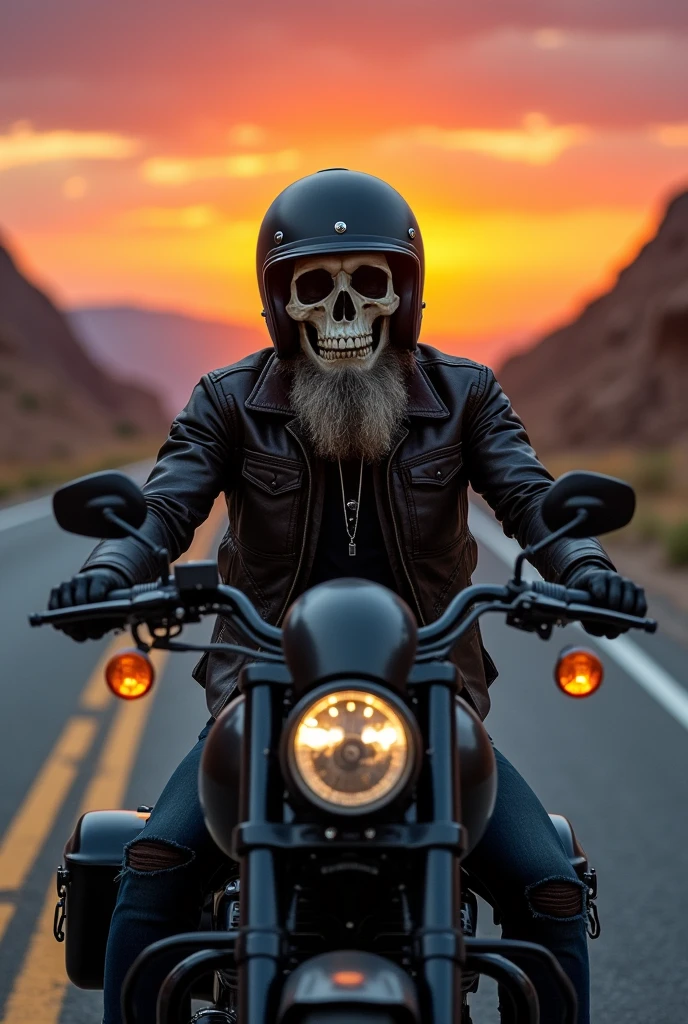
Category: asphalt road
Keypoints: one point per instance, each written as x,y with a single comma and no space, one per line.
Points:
617,765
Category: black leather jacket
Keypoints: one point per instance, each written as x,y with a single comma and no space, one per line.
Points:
239,435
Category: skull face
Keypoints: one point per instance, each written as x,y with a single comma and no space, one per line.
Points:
343,305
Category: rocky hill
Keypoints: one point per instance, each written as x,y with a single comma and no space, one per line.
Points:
56,403
618,374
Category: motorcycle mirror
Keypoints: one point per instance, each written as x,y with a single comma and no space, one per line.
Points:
609,503
79,506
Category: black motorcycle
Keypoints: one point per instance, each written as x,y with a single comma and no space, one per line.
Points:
347,781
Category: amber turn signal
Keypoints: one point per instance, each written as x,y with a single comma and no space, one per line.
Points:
579,672
129,674
348,979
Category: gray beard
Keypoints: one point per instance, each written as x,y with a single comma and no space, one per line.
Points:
350,412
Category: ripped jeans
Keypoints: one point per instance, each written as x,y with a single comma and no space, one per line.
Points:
520,861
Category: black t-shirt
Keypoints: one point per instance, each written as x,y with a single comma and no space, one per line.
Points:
332,558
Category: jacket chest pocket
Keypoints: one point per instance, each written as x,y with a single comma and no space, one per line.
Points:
267,504
436,499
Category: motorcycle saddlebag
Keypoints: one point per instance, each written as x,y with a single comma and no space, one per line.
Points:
93,860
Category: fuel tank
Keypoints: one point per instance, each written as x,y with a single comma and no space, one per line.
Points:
478,773
221,768
220,773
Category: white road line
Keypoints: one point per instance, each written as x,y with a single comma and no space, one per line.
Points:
635,662
27,512
41,508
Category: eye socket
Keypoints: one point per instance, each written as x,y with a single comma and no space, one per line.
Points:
370,282
313,286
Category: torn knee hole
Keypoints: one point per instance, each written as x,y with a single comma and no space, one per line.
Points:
557,898
155,855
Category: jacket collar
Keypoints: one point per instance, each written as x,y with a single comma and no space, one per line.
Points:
271,394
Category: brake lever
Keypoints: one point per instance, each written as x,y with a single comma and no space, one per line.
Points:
534,612
131,608
99,610
605,615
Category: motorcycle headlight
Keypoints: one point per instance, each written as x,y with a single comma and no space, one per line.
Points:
351,751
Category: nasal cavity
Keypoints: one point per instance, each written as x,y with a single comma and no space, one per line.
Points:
344,308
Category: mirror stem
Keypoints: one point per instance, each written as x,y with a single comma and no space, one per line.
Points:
160,554
532,549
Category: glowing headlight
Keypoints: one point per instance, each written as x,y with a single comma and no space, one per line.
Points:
351,751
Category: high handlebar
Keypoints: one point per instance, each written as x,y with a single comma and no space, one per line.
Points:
536,605
468,598
166,603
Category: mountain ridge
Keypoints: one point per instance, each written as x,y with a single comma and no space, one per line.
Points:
56,402
615,375
120,334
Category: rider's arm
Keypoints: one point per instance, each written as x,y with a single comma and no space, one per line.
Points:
194,465
505,470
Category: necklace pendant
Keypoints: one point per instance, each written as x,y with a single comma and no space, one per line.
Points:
352,549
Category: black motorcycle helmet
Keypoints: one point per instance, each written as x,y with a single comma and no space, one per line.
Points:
337,210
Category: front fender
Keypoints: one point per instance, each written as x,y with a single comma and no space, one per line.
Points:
349,978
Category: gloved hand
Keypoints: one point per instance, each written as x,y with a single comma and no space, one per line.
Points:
608,589
86,587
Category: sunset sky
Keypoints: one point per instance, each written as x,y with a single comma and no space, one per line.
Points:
141,142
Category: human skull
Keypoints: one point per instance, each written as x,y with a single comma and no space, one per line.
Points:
347,302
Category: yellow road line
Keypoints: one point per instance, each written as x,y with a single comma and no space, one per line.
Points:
39,988
6,915
35,818
96,696
107,787
47,970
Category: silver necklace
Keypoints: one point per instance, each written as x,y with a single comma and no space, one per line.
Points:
351,509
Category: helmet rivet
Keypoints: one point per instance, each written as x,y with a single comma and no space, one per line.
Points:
340,227
412,232
279,235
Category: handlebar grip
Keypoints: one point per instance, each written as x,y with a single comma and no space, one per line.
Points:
559,593
582,597
129,593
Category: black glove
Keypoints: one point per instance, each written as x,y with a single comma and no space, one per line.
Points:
609,590
88,587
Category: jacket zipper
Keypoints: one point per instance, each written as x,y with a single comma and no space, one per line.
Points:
396,530
305,530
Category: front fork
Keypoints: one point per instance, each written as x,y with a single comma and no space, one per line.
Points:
439,941
260,943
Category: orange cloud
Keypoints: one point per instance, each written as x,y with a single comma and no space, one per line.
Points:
537,142
247,135
22,146
181,171
549,38
672,135
184,218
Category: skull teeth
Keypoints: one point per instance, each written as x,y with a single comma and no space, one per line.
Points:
359,347
360,353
